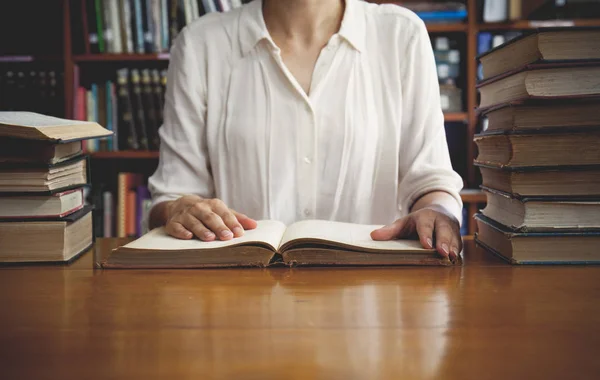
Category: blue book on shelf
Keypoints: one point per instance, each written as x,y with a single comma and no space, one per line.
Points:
457,15
484,43
109,116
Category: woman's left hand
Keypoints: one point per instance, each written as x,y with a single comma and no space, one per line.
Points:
433,225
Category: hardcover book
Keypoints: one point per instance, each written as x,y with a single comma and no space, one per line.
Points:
572,247
313,242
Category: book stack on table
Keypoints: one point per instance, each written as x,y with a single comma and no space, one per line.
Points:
540,155
43,216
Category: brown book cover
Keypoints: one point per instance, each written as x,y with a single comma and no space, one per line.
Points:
312,242
538,150
571,80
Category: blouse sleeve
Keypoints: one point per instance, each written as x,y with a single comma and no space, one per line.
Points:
184,166
424,160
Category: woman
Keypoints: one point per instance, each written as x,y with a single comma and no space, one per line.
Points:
306,109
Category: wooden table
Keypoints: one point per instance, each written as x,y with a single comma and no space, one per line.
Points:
484,320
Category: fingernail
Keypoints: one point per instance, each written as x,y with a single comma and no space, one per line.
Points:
209,235
226,234
445,248
238,231
429,242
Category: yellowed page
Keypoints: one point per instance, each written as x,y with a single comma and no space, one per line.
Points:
356,235
36,120
268,231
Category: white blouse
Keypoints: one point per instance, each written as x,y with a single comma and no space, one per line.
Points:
362,146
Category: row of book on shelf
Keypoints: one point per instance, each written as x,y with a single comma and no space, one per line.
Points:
43,173
540,157
130,105
515,10
138,26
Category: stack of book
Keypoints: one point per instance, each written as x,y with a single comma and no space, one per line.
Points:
43,216
540,156
130,106
138,26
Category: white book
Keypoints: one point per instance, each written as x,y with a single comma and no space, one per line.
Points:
125,14
116,26
495,11
188,11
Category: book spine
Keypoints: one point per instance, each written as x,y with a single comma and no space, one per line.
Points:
164,23
156,26
116,26
158,97
115,117
92,27
108,211
150,110
173,19
126,31
109,115
139,26
142,130
195,9
187,8
148,25
85,29
130,209
100,26
108,31
121,202
141,196
128,136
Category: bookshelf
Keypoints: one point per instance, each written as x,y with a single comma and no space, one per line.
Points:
74,63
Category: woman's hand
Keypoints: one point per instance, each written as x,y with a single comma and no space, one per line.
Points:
207,219
432,225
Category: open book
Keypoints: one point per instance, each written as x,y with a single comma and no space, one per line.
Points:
310,242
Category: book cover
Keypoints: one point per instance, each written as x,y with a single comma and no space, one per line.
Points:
115,16
139,112
128,138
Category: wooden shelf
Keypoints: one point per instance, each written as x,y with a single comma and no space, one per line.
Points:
126,154
473,196
446,28
120,57
533,24
456,117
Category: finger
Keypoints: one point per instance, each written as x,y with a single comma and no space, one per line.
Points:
456,244
221,209
246,222
425,227
204,213
443,236
400,228
178,231
191,223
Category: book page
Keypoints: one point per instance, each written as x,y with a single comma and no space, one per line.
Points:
36,120
356,235
267,231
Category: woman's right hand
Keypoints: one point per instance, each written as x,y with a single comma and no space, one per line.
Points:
207,219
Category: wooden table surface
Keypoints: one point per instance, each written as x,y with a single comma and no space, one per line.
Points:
484,320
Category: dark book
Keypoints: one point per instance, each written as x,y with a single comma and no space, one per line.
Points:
102,114
43,178
314,242
542,81
128,137
538,150
157,91
551,181
151,109
548,45
100,25
138,106
573,247
543,115
91,25
56,239
542,213
21,150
